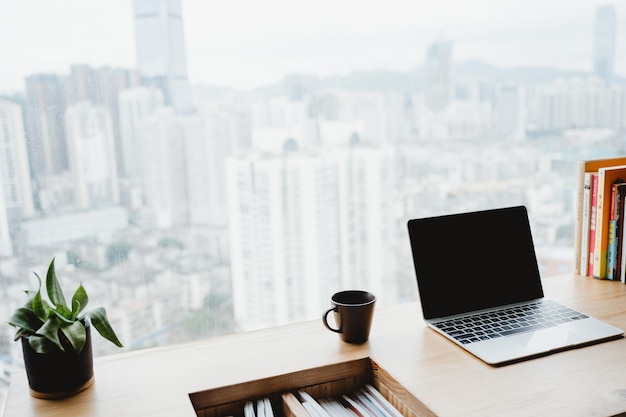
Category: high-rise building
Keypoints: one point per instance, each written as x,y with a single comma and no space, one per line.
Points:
16,199
616,113
183,173
15,178
439,84
576,103
101,87
135,104
6,244
109,83
303,225
509,111
83,85
604,43
91,151
15,175
45,126
160,49
16,195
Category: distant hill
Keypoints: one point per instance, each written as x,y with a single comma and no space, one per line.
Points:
479,68
413,80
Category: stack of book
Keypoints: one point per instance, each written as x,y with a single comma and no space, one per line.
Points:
263,408
365,402
600,231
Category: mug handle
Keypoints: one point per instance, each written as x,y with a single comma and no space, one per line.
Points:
325,320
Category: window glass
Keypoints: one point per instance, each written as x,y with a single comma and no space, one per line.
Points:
205,168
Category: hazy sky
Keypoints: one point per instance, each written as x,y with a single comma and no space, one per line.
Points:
244,43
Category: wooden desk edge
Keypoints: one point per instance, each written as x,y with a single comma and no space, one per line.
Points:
157,382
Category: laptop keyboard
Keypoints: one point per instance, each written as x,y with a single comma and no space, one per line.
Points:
519,319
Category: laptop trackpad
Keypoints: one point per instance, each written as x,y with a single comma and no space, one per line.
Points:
546,339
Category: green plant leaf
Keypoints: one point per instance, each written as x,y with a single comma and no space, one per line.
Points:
76,334
79,301
100,321
26,319
54,289
41,307
76,308
50,330
38,308
40,344
62,317
64,312
20,333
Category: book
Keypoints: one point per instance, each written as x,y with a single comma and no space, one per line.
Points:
586,215
622,269
614,224
587,166
606,177
592,223
363,402
619,229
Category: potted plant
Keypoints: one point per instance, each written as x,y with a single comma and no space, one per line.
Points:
56,338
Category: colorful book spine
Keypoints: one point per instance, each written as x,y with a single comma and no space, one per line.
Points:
619,230
622,232
606,177
611,271
592,222
585,166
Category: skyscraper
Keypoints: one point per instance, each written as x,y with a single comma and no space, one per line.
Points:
439,75
6,248
45,127
160,49
14,172
604,43
183,171
134,105
509,111
91,151
16,199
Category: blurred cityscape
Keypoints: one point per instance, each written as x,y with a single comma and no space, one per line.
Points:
190,211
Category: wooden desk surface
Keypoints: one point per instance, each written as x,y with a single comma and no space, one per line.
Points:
451,382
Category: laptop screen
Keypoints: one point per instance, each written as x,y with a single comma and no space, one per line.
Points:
471,261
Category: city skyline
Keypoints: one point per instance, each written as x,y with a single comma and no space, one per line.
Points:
245,50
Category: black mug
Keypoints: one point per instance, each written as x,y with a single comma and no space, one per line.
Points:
354,310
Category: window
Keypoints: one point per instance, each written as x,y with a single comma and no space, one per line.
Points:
210,168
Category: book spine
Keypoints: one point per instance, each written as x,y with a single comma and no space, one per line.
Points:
592,222
586,216
597,251
611,261
621,191
622,232
600,254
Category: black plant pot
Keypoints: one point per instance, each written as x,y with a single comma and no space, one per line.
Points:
58,374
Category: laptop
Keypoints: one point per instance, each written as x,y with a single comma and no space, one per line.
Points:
479,286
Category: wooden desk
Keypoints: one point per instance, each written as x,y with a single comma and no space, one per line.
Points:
449,381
